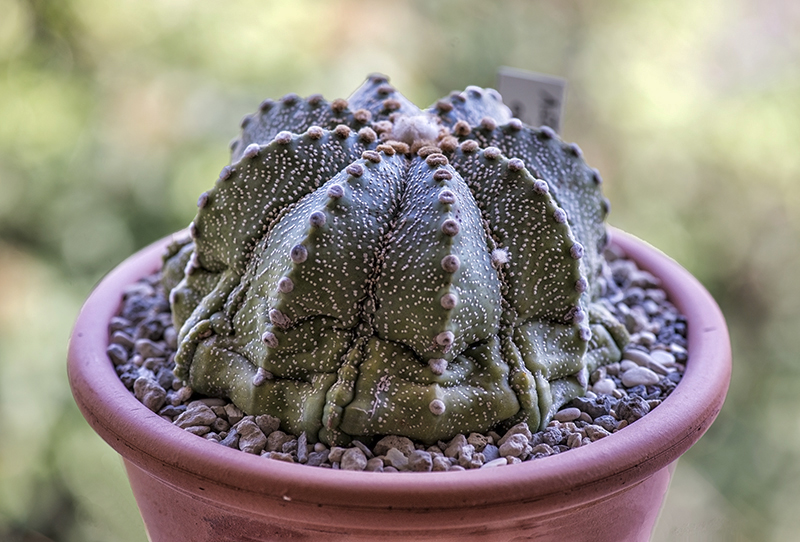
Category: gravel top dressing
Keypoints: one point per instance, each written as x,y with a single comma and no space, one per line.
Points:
143,342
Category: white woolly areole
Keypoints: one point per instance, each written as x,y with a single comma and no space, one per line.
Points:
409,130
500,257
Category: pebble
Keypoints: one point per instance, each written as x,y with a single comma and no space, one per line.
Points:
123,339
609,423
395,458
521,428
639,376
479,441
632,408
567,414
353,459
491,452
117,353
594,407
403,444
604,386
440,463
150,393
595,432
233,413
251,439
455,446
231,440
541,450
420,461
276,440
315,459
302,446
148,349
364,448
196,414
517,445
268,424
645,360
667,359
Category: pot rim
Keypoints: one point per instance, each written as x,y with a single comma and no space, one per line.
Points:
623,458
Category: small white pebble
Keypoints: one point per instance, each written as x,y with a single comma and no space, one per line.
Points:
639,376
567,414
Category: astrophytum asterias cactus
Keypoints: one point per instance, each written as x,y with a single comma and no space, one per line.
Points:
365,268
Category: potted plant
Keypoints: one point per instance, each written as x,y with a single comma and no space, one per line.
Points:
365,268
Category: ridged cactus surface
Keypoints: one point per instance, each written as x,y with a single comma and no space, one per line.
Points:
365,268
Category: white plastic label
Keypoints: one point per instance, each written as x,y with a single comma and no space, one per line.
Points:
534,98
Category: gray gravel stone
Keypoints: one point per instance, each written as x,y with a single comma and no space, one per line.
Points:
364,448
219,425
353,459
251,439
148,349
123,339
574,440
604,386
150,393
267,423
667,359
606,422
595,432
632,408
519,429
491,452
374,464
639,376
645,360
233,413
276,440
515,445
315,459
397,459
567,414
117,354
231,440
336,454
455,446
403,444
541,449
420,461
479,441
302,447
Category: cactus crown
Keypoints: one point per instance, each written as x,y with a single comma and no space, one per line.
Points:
365,268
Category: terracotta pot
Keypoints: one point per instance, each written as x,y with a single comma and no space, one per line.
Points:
190,489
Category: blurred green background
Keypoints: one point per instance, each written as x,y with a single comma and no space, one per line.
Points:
114,116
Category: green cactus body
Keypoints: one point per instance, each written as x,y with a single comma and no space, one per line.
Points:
365,268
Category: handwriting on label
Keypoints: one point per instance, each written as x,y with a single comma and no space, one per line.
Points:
534,98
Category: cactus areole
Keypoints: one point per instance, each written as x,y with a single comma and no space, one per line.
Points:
366,268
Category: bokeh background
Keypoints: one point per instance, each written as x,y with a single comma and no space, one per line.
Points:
114,116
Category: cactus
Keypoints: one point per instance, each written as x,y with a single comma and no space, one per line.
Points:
365,268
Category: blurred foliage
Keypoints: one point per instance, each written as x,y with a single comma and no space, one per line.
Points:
114,116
